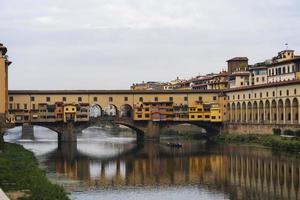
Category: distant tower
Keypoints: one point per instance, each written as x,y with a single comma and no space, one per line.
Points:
237,64
4,63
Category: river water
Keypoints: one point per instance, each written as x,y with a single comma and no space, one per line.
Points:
104,166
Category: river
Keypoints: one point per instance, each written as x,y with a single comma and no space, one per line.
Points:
104,166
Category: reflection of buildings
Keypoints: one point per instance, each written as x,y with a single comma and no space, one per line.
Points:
240,173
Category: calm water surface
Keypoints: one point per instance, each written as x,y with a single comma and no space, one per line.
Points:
103,166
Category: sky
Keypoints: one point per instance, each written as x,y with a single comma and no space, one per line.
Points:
110,44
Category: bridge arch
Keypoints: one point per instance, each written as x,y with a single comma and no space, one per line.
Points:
249,114
261,112
295,109
126,110
96,111
111,110
238,111
280,111
267,111
287,106
244,113
229,112
255,112
233,112
274,111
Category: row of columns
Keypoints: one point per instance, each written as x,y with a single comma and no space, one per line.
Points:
280,112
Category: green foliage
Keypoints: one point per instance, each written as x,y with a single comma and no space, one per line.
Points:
266,140
297,133
276,131
19,171
288,132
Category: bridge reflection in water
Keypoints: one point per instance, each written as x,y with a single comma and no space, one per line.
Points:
239,172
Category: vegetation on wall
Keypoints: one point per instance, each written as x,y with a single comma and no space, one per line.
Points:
272,141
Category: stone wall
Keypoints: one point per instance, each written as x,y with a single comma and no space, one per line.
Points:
242,128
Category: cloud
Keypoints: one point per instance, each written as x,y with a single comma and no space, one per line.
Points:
107,44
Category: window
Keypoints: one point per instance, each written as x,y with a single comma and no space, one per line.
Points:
257,79
260,95
25,106
199,116
295,91
214,98
147,109
95,99
263,79
67,109
79,99
170,98
32,99
254,95
48,99
10,106
110,99
64,98
185,98
273,93
18,106
139,116
238,96
200,98
147,115
287,92
243,96
192,116
141,99
267,94
125,98
233,97
155,98
33,106
249,96
280,93
11,98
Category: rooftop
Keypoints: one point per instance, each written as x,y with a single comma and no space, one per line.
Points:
238,59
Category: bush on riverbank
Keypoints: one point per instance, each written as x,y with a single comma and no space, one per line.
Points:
19,171
266,140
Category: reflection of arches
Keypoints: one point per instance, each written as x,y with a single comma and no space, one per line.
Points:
261,112
126,111
288,116
280,111
273,111
255,112
267,111
111,110
95,111
249,110
295,105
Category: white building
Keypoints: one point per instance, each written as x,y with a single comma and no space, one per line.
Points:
284,67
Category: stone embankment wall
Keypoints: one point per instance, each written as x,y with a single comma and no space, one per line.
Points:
242,128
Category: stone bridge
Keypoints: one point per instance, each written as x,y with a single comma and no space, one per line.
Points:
145,130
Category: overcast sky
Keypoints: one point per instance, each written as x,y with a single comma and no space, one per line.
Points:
110,44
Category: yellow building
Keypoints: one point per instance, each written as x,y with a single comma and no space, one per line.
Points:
70,112
196,112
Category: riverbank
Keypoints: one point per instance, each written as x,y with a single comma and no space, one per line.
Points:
20,174
272,141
